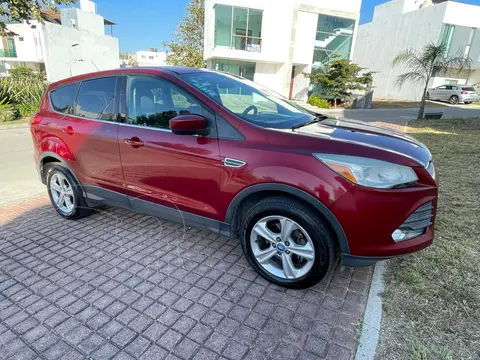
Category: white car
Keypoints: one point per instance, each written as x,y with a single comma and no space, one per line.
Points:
454,94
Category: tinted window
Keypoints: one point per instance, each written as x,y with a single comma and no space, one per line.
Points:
247,100
63,98
154,101
468,88
96,99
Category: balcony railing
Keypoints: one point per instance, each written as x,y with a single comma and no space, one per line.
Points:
11,53
247,43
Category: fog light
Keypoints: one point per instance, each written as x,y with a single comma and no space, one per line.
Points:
402,235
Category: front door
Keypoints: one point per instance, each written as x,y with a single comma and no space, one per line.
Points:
181,172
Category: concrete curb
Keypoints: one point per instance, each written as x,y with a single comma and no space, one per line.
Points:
373,316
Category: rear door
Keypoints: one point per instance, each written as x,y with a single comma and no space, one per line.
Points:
90,131
181,172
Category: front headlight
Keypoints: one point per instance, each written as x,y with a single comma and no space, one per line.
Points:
369,172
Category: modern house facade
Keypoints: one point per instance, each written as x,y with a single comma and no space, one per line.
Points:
411,24
69,42
273,43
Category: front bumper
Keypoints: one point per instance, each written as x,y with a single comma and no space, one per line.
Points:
370,216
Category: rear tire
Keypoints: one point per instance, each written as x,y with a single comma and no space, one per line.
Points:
65,193
454,100
300,249
467,102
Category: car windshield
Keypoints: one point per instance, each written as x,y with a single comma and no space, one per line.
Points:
248,100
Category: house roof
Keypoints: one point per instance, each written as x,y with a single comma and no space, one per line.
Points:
54,16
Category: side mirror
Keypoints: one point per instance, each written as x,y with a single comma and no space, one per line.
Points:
190,124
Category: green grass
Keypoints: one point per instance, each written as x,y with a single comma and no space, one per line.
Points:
432,298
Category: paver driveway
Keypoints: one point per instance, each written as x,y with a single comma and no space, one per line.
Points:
123,285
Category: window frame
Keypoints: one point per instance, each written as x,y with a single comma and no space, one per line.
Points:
115,102
211,118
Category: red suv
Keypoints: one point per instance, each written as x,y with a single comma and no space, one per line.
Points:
217,151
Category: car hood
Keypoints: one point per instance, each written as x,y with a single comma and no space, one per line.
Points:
363,133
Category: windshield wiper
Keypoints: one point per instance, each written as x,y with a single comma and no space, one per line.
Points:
316,119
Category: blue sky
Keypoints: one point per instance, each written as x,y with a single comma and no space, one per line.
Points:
146,23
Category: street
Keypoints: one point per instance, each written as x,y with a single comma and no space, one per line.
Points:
402,114
18,180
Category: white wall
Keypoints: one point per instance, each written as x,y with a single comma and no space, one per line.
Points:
269,75
30,49
391,32
305,37
94,51
438,81
143,58
462,14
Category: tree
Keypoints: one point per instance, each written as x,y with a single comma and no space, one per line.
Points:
425,64
339,78
19,10
186,46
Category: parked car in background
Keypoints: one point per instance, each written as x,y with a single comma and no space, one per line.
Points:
217,151
454,94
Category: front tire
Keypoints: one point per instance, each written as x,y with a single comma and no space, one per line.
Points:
454,100
65,193
287,242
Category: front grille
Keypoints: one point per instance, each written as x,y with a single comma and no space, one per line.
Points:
420,219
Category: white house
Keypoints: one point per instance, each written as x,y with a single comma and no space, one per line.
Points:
69,42
152,57
273,42
411,24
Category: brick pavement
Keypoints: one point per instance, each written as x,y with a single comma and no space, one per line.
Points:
123,285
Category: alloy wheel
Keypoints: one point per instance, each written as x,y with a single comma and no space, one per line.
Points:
282,247
454,100
62,193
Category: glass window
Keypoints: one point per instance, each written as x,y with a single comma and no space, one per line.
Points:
247,100
239,40
63,98
238,28
243,69
333,39
154,101
334,25
223,25
96,99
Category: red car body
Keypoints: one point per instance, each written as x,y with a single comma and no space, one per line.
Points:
161,173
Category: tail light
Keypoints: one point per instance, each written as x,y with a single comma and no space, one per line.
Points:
36,120
463,92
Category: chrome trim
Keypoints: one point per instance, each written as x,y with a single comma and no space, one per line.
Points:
145,127
111,122
233,163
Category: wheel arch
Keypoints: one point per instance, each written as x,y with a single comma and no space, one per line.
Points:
51,157
246,198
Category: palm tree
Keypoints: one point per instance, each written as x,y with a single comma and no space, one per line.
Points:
425,64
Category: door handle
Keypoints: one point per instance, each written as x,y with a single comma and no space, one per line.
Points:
134,142
68,130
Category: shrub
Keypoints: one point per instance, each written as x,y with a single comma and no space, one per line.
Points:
318,102
28,109
7,112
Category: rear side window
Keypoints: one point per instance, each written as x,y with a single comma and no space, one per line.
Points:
63,98
468,88
96,99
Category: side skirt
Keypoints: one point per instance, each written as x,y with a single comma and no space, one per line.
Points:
97,196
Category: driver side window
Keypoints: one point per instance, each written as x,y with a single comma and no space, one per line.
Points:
153,101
